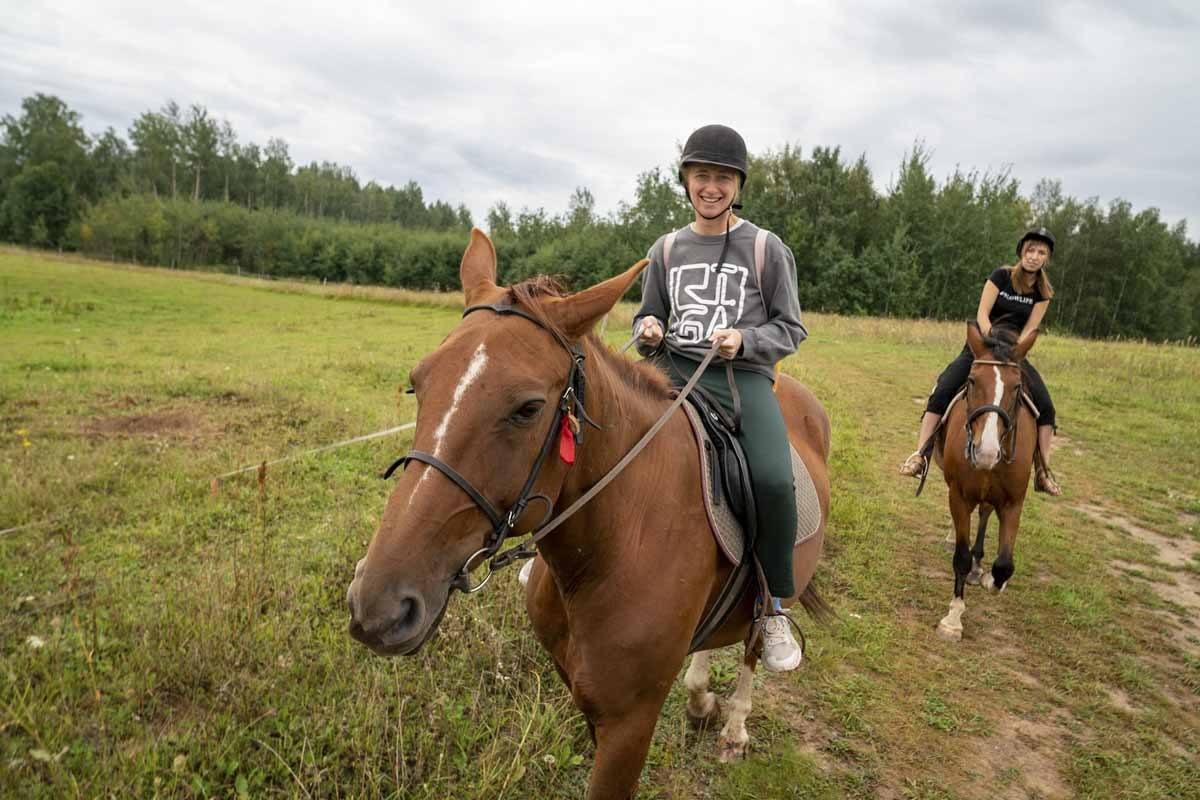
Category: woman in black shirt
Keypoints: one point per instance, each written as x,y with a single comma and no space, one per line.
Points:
1014,298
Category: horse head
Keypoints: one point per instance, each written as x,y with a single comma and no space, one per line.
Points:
993,394
486,449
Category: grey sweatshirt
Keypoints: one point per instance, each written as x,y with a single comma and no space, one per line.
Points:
693,298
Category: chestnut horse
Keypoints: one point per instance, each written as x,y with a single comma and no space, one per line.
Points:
986,454
618,590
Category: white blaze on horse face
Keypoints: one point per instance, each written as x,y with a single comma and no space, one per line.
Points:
474,369
989,445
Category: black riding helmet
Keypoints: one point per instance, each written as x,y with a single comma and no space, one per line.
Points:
719,145
1037,234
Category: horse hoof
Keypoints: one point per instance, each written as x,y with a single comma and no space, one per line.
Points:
949,633
732,751
974,577
700,722
987,581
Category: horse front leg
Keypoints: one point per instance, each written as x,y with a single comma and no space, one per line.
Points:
621,747
950,626
734,737
702,706
1003,567
985,512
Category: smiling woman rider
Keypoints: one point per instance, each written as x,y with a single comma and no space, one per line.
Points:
703,287
1014,298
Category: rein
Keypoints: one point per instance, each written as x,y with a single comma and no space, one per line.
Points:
1009,418
570,409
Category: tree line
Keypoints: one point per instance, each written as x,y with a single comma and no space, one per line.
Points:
183,191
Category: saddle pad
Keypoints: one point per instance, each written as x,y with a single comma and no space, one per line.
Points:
725,525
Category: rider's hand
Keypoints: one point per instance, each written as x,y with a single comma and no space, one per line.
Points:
651,332
730,341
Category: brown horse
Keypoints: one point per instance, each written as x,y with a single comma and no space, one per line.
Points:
618,590
986,454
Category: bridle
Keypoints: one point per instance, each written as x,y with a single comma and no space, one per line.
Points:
569,408
1008,417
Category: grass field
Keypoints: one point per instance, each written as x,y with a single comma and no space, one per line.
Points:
162,640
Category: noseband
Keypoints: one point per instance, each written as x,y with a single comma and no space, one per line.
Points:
569,406
1009,418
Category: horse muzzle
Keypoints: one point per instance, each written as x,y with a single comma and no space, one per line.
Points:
987,455
394,621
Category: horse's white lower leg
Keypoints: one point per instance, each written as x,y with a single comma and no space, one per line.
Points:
989,583
950,628
734,736
702,704
976,573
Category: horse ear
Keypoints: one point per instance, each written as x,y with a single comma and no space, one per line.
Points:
478,269
975,339
575,315
1023,347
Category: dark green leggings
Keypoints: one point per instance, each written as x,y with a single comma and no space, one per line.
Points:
764,438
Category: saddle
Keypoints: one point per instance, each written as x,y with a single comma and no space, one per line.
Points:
729,504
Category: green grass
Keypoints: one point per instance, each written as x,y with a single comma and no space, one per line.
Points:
194,645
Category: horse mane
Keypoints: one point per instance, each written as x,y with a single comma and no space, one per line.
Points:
528,293
1001,341
643,378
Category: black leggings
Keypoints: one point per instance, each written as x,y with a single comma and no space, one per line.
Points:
955,375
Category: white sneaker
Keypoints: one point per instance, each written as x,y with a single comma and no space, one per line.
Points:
780,651
526,569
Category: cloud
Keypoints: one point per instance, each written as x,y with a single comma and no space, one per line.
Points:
525,102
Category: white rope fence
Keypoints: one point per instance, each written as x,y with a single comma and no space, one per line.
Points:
215,481
322,449
25,526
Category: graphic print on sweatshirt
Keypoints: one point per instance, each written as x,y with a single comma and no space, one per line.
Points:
704,299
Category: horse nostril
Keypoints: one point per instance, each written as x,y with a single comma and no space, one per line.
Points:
409,616
391,620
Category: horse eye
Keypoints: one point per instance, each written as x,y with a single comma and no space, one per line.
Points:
528,412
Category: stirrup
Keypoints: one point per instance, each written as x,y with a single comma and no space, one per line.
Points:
917,461
1043,481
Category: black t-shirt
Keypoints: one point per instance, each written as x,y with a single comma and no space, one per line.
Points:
1012,309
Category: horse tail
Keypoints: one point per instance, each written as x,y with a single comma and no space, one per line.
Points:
816,606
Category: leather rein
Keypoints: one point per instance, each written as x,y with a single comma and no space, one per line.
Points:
1008,441
569,411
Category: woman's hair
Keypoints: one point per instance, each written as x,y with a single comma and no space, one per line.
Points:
1023,282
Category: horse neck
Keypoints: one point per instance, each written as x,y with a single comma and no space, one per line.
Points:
589,545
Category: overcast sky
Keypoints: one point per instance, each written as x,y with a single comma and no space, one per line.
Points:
525,101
